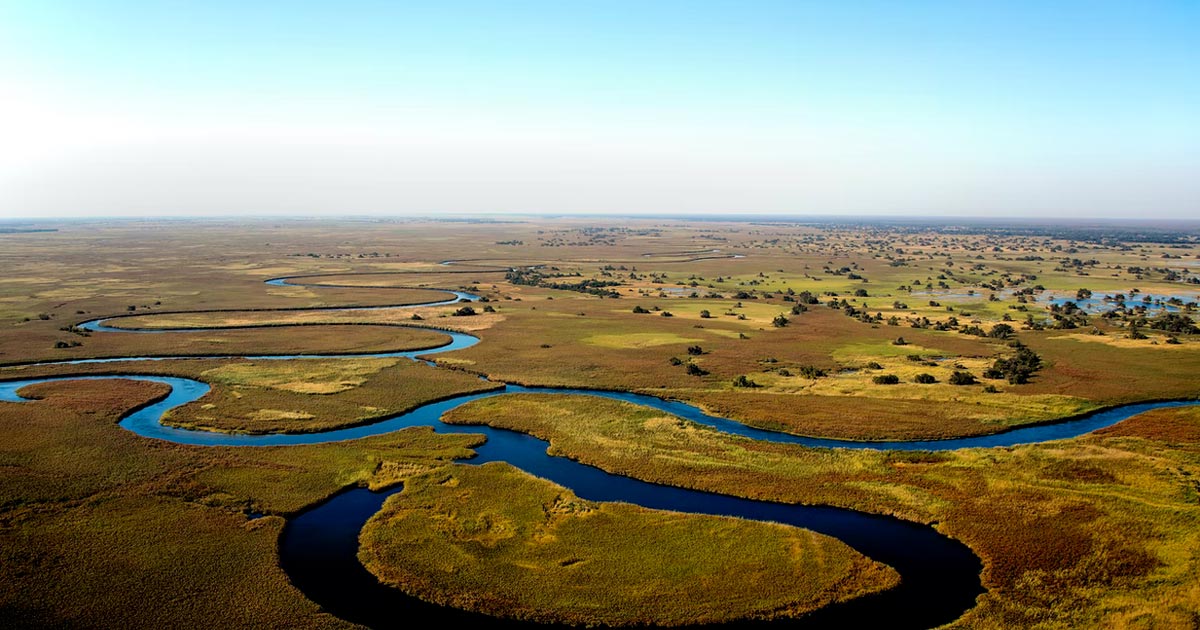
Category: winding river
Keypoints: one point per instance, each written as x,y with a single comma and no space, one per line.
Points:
940,577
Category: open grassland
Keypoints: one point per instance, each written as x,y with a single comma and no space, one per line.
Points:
317,394
429,316
574,341
1093,532
338,339
497,540
1099,531
293,396
99,524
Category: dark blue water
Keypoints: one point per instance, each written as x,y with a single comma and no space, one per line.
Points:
940,576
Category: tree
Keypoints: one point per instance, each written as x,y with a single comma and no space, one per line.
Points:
1001,331
1016,369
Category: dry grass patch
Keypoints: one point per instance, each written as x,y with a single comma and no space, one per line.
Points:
638,340
307,377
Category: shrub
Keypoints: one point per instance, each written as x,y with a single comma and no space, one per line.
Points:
899,342
885,379
874,365
925,379
695,370
416,318
811,371
675,361
639,310
962,378
464,311
780,321
705,315
742,381
695,351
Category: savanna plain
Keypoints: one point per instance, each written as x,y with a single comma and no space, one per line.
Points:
861,332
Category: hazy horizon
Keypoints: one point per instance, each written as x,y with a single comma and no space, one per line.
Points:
1075,110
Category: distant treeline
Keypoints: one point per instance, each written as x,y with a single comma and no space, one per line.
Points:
1099,233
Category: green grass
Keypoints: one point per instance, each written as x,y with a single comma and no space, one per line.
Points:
497,540
1098,531
100,524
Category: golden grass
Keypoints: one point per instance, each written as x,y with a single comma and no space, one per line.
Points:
497,540
638,340
308,377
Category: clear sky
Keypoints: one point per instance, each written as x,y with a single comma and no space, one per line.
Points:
1017,108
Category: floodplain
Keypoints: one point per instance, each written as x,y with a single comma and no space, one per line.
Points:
860,332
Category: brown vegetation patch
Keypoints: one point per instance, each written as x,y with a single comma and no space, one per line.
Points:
1176,426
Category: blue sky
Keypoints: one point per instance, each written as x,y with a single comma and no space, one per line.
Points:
958,108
